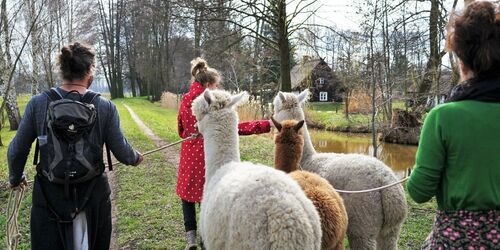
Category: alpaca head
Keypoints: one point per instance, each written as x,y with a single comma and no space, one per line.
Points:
288,106
289,144
214,110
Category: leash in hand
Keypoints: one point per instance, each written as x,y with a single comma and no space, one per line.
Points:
191,137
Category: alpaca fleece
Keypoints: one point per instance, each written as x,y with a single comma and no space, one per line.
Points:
246,205
289,145
375,218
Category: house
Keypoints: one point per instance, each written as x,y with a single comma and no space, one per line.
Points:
437,95
316,75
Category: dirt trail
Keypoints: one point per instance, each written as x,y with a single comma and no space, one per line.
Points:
171,155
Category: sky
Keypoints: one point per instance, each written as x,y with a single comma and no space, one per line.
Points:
342,13
338,12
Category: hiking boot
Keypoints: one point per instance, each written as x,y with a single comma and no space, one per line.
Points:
191,240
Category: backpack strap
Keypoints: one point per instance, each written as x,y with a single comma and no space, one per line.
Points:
52,95
90,97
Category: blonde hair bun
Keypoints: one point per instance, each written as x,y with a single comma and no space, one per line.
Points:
198,65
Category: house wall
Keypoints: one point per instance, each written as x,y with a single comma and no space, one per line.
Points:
330,86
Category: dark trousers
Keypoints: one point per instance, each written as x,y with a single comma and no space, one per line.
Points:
48,234
189,212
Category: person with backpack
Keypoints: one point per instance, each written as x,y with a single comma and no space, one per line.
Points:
71,206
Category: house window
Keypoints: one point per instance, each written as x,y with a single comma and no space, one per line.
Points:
321,81
323,96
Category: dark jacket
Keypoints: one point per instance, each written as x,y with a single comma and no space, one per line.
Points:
52,209
32,125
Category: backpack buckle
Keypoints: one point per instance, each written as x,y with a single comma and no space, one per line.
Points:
70,173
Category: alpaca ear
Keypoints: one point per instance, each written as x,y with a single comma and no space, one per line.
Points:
303,96
238,99
298,126
208,97
282,96
276,124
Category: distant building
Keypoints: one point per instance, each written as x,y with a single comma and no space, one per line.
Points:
437,95
318,77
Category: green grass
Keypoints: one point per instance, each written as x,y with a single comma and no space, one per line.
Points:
327,106
331,116
7,136
162,121
149,211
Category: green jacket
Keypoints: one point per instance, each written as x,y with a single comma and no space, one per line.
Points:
458,158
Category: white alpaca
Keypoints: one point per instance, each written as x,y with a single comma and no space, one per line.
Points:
375,218
247,206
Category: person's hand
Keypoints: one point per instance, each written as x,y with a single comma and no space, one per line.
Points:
141,158
23,183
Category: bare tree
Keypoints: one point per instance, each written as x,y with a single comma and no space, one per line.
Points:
7,68
250,16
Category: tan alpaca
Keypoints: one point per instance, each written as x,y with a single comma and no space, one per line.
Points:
289,144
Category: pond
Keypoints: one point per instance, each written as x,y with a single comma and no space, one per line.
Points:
398,157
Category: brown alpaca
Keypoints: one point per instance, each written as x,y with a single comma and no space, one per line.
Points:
288,153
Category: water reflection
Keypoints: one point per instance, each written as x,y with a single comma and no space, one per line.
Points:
398,157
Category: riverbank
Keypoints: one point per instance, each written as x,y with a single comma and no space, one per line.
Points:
331,117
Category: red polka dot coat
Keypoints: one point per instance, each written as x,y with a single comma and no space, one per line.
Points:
191,175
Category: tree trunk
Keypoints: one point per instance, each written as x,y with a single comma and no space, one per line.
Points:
13,109
198,25
284,47
431,72
35,48
5,69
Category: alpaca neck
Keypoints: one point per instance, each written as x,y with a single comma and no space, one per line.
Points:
221,147
309,150
287,159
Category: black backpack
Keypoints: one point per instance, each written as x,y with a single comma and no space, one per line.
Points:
71,152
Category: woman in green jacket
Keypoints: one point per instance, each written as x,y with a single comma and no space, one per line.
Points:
458,158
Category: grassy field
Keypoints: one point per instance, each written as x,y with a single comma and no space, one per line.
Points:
331,116
149,213
7,136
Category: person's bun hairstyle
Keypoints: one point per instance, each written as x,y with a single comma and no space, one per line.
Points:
75,61
202,73
198,65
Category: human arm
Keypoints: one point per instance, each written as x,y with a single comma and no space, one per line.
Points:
254,127
19,147
180,127
431,154
116,141
186,119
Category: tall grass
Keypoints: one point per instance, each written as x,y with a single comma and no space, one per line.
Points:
254,110
360,102
170,100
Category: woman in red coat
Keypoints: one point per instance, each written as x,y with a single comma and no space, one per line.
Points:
191,175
